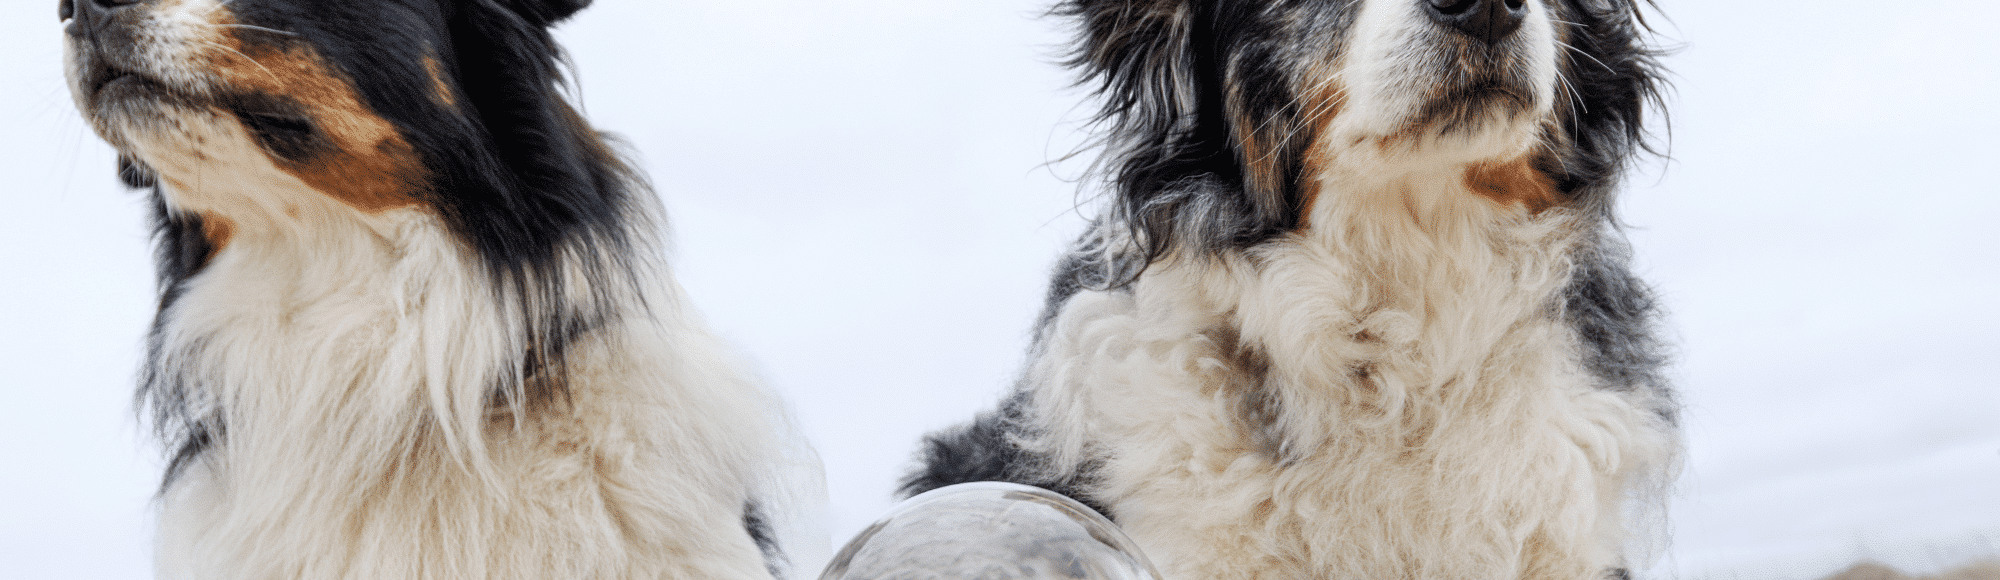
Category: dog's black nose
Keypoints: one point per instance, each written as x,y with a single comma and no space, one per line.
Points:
1490,21
65,10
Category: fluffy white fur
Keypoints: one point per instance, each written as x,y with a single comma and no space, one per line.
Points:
351,356
1419,402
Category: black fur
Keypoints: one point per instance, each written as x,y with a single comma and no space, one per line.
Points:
1170,153
1615,79
985,450
1203,135
766,540
1085,267
518,175
178,415
1614,313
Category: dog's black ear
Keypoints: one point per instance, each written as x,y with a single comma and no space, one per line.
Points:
1169,151
544,12
539,176
1140,54
1615,77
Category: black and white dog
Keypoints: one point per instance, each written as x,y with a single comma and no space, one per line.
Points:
1359,308
414,321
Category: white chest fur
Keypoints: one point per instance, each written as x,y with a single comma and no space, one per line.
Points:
1389,394
353,364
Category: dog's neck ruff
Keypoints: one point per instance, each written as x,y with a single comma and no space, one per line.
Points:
308,304
384,317
362,372
1424,295
1356,399
1410,272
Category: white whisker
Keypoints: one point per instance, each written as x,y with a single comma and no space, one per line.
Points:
260,66
1580,51
1317,109
257,28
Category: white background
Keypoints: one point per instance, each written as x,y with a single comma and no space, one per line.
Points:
861,204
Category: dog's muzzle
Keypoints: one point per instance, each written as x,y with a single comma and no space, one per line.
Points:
102,32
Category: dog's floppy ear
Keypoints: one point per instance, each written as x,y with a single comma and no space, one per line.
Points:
544,12
1139,53
541,174
1168,148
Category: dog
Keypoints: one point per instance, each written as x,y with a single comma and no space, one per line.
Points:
1359,306
414,320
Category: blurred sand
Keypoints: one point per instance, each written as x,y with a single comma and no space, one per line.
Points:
1982,570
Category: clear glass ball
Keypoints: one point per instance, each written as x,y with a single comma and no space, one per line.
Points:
990,531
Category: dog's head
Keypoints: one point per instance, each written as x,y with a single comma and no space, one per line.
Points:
444,106
1224,115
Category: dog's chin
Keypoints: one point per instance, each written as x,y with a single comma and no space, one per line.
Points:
119,102
138,113
1476,104
105,80
1476,121
121,91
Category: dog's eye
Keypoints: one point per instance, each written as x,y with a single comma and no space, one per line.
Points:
289,136
278,123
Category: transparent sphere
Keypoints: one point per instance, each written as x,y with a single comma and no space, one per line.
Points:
990,531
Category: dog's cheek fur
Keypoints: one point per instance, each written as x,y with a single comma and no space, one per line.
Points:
1613,78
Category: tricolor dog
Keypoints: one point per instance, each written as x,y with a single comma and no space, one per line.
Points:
414,317
1358,306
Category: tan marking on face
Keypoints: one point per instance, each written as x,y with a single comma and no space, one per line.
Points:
1325,106
1401,139
1314,166
369,165
1514,182
1263,163
217,230
440,90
